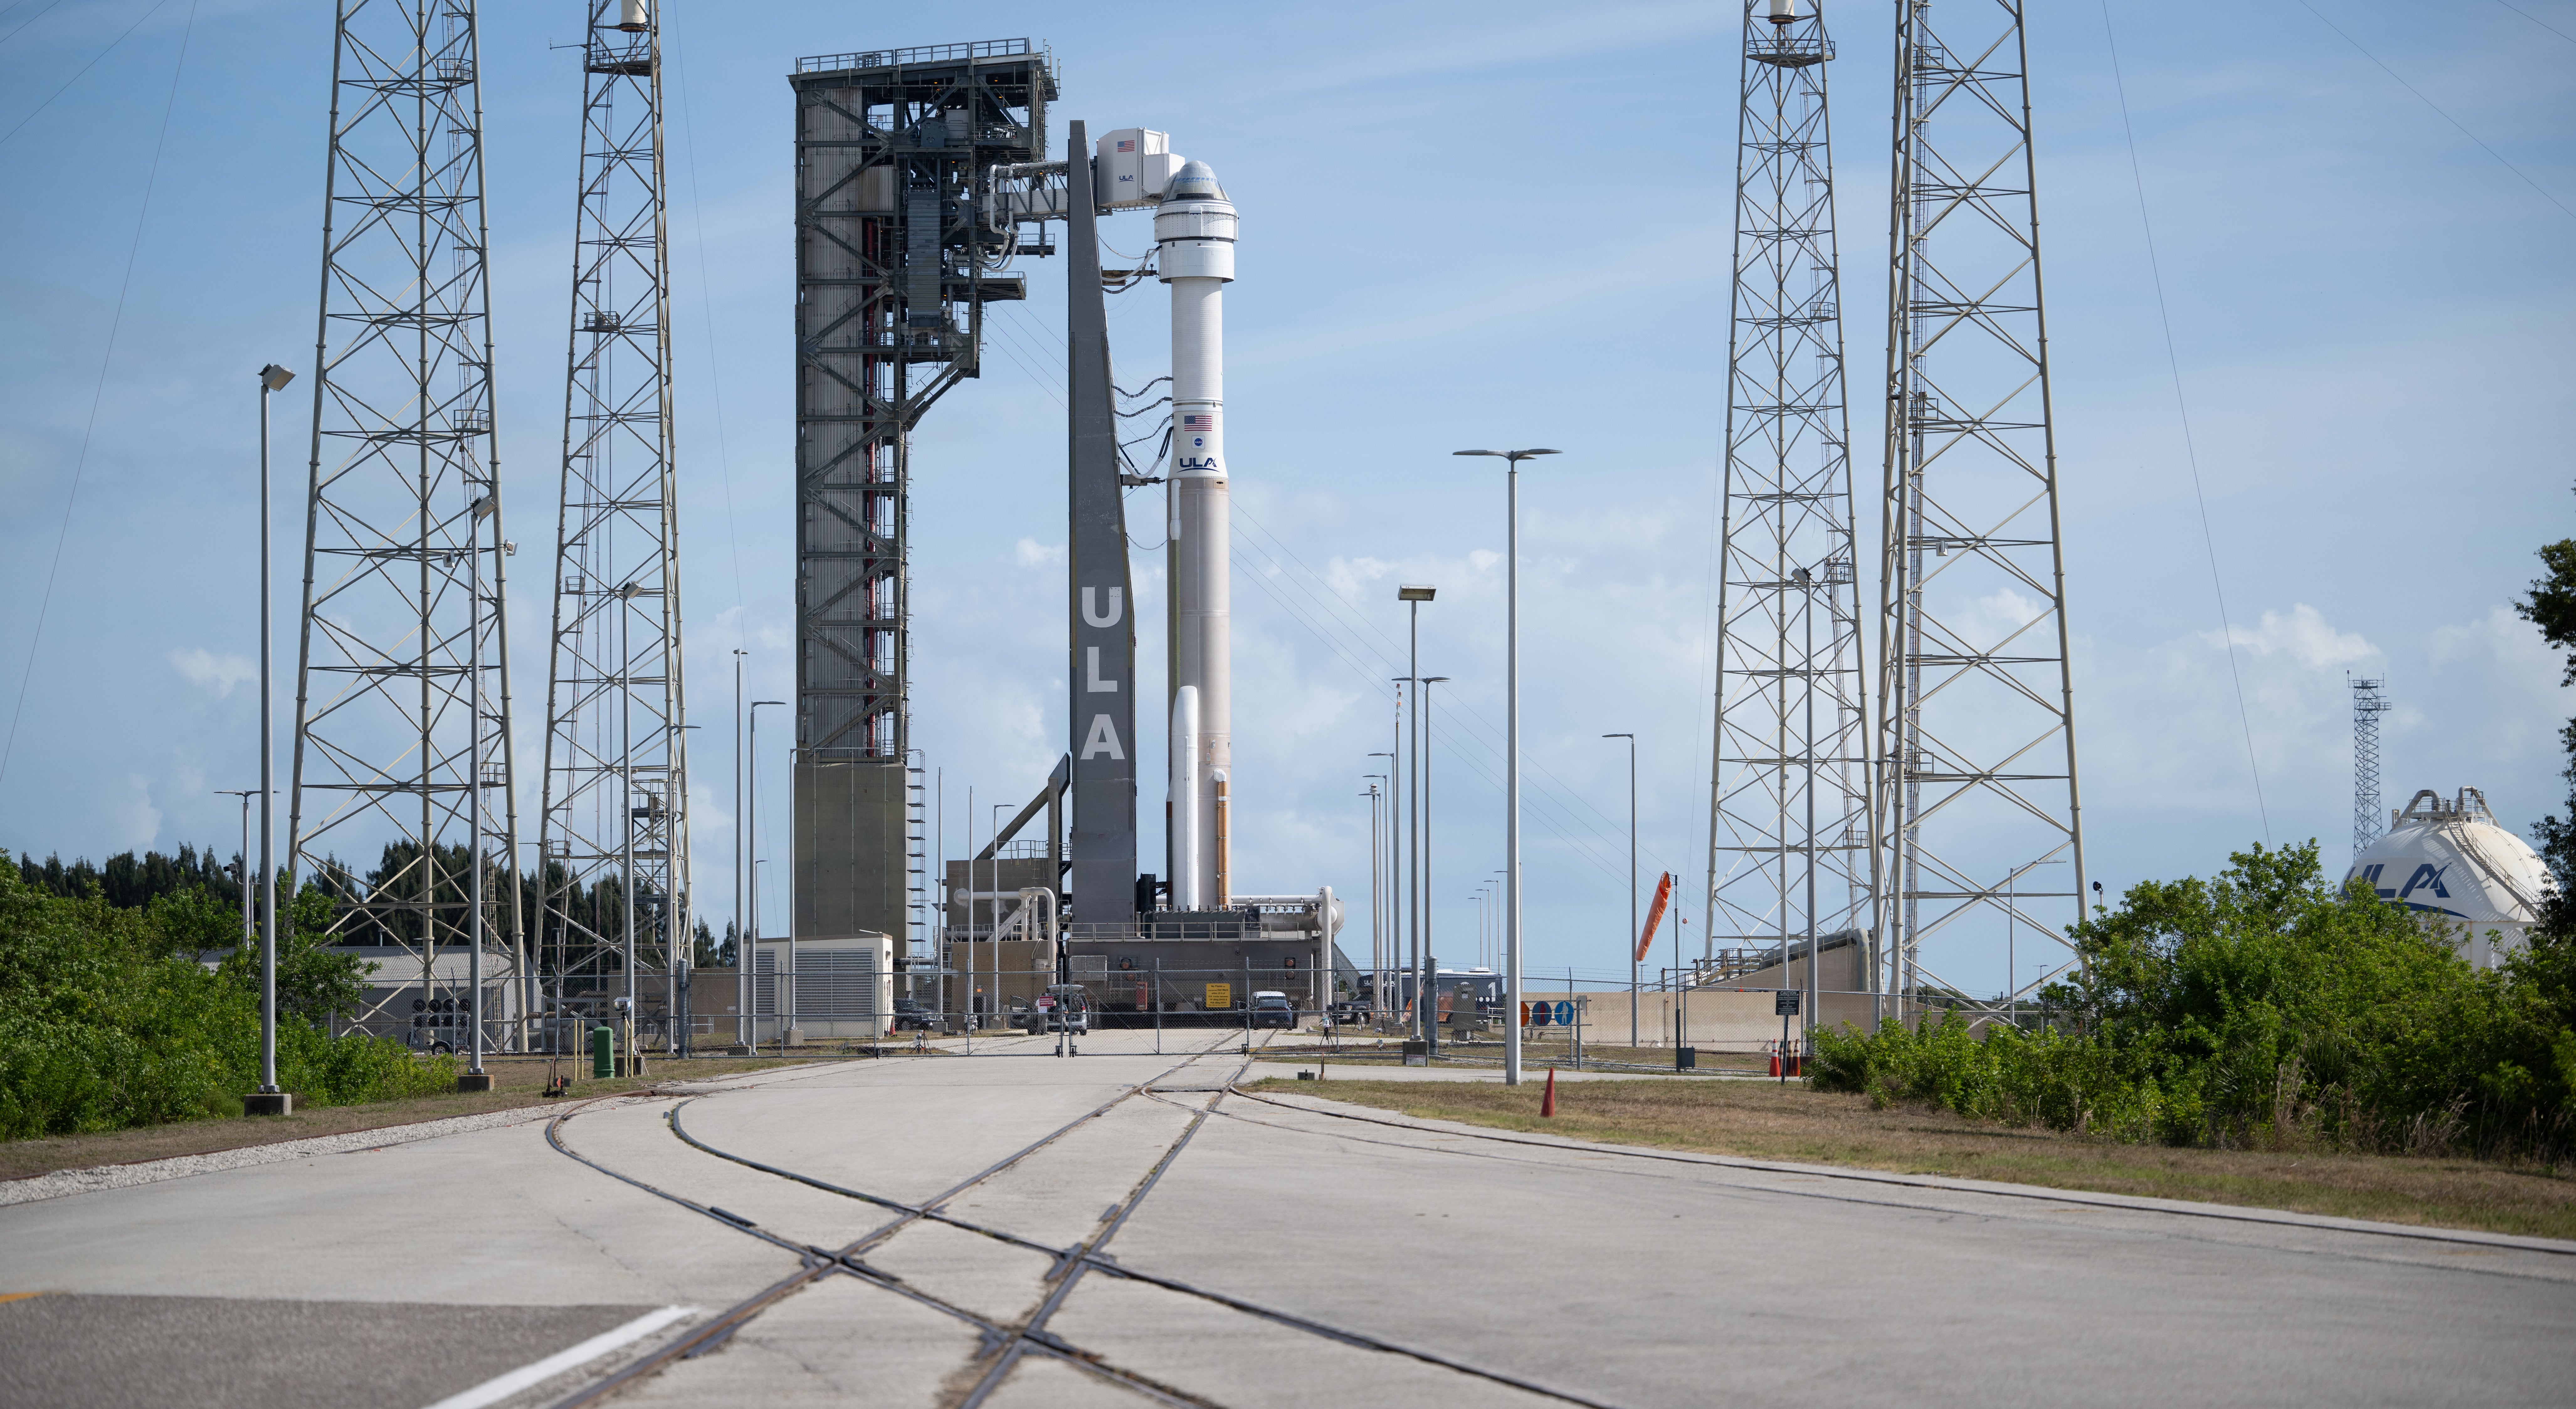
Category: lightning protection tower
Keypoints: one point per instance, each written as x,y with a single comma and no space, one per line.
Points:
402,696
895,260
1789,814
2369,701
1981,839
614,833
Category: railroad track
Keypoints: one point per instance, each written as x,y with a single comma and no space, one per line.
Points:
1003,1344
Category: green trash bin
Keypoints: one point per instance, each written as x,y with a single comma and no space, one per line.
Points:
603,1059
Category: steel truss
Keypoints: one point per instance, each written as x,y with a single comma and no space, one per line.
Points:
2369,701
402,698
614,833
1979,803
1789,816
894,264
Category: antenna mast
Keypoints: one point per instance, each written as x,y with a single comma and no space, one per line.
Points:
2368,821
1789,854
613,838
1979,800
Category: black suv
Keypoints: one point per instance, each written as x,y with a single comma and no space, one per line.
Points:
913,1015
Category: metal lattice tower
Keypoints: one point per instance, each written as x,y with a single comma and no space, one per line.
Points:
1979,802
613,838
403,559
1789,813
2369,822
894,264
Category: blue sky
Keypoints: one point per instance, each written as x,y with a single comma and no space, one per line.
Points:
1461,225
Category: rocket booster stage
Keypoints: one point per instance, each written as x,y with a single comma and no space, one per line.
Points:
1194,231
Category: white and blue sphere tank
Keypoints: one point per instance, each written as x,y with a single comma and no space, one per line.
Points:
2467,878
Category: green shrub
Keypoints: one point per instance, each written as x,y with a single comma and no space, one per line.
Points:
2246,1008
107,1019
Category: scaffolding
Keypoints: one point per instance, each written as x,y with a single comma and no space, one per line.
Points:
1789,852
402,696
1979,800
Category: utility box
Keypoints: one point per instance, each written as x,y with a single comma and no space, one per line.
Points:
837,987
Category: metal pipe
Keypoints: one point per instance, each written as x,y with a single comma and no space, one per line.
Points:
271,378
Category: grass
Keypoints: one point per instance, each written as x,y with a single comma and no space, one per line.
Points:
1761,1121
516,1082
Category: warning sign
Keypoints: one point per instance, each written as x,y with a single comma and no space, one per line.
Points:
1220,995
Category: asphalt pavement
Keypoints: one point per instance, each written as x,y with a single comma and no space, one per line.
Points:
1014,1228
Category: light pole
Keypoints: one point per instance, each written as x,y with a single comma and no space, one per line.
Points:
1430,977
250,933
1377,898
1413,596
1511,755
1635,959
741,937
483,507
1394,872
268,1100
751,828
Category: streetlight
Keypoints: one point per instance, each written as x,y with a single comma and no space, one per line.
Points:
1430,978
751,829
249,933
268,1100
1377,896
1413,596
1394,871
741,955
1512,755
483,506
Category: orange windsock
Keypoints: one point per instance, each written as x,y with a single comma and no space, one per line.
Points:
1655,916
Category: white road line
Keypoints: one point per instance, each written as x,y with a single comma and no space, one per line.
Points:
494,1391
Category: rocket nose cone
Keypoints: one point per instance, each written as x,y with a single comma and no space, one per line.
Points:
1195,181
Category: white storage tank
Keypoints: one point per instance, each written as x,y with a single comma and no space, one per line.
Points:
2451,864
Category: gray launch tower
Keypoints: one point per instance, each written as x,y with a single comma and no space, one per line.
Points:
894,265
1980,834
1789,856
402,689
613,834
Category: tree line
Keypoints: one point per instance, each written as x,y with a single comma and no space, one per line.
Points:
128,881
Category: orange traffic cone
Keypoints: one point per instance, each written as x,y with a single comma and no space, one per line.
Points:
1547,1103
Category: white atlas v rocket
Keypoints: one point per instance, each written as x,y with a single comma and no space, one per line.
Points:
1194,237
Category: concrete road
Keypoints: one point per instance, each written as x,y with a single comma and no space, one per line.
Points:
1223,1250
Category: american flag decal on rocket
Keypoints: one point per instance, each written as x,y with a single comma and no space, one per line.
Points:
1197,421
1126,144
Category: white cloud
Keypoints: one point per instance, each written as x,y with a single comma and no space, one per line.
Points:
1032,554
136,822
215,674
2303,637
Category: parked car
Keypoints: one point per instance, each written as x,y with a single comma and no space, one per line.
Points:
1350,1011
1272,1009
913,1015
